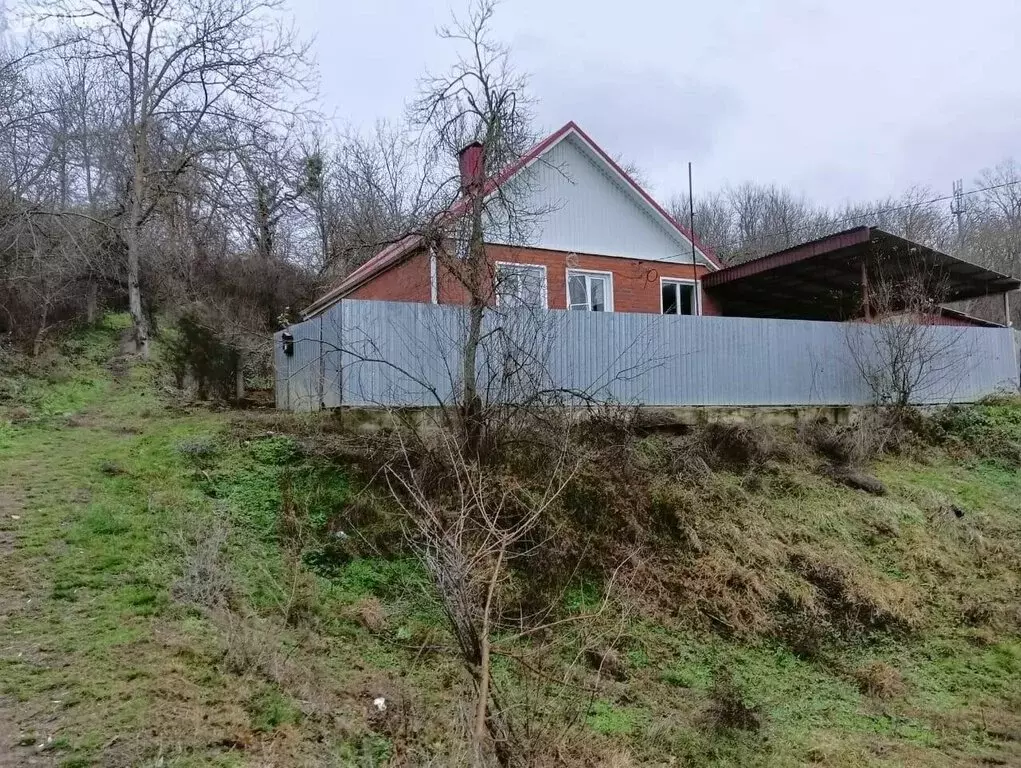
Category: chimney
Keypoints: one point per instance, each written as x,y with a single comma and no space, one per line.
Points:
471,161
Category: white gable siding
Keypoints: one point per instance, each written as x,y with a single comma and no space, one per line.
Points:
587,208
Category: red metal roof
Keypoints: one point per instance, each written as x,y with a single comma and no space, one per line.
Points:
822,279
964,317
406,246
827,244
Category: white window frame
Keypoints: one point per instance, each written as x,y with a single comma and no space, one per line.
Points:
590,272
696,295
545,280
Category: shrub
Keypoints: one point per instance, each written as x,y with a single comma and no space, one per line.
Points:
205,580
198,452
990,429
196,350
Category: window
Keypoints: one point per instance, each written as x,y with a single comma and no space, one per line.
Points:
590,291
520,285
678,297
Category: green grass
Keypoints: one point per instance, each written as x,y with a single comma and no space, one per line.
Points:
611,719
110,483
271,709
116,489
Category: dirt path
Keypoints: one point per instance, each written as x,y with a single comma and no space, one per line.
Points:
17,747
10,512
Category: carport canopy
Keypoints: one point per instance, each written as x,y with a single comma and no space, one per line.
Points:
824,279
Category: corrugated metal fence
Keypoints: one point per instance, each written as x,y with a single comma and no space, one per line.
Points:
375,353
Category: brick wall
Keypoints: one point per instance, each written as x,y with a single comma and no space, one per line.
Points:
636,284
408,281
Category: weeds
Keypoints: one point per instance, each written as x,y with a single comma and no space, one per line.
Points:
270,709
730,707
991,429
200,452
614,720
206,581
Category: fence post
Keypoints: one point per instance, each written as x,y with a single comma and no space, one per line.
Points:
339,366
321,388
287,379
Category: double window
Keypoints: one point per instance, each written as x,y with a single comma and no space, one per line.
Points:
525,285
589,291
520,285
678,297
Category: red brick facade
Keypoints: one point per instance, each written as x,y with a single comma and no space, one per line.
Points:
636,283
408,281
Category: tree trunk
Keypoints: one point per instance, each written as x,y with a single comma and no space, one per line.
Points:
482,704
37,342
131,236
239,379
475,281
471,408
91,301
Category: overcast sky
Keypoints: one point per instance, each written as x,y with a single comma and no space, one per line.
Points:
838,100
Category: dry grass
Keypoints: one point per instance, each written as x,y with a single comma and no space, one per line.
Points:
616,759
607,662
737,529
719,525
879,680
370,613
205,580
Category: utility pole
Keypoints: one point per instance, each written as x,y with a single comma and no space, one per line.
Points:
957,209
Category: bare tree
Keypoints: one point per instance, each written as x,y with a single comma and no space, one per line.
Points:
481,100
365,191
467,545
180,67
907,353
993,233
713,225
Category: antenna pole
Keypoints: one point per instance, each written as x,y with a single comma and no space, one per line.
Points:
957,209
691,231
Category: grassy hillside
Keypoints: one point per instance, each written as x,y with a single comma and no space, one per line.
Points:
181,586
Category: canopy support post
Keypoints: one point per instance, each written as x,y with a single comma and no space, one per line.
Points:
866,300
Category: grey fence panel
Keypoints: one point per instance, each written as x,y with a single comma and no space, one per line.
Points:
396,354
281,372
331,331
1017,356
367,353
304,380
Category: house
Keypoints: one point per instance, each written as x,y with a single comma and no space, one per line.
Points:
603,248
601,243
